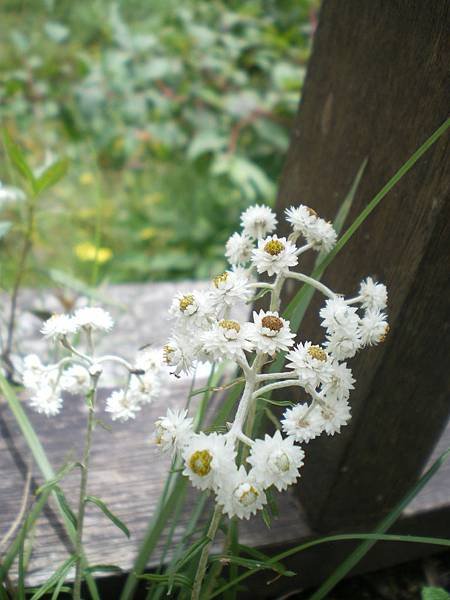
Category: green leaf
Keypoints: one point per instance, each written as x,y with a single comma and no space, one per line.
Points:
5,226
58,576
51,483
276,402
18,159
191,552
253,564
111,516
52,175
65,507
103,569
434,593
178,579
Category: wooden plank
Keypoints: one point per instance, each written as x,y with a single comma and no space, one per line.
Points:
377,87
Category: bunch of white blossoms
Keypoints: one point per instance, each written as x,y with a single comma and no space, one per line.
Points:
78,372
206,330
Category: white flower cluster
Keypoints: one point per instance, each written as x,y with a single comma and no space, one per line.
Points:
204,330
78,373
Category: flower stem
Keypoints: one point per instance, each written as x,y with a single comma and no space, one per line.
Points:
203,562
83,488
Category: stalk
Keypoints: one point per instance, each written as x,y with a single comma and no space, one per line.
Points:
203,562
83,488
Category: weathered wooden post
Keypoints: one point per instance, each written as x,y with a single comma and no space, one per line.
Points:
377,87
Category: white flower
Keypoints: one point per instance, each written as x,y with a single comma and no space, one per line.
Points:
240,495
192,310
75,380
59,326
173,431
340,383
342,323
339,316
229,288
33,371
144,388
301,217
275,461
149,359
341,344
321,235
257,221
239,249
335,416
180,352
274,255
226,339
312,364
122,406
374,295
207,459
93,317
46,401
303,422
269,332
373,327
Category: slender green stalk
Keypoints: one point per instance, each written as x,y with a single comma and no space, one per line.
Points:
203,562
20,272
83,490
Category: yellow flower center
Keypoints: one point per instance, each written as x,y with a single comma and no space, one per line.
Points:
317,353
200,462
167,353
226,324
186,301
272,323
385,333
220,279
274,247
281,462
247,494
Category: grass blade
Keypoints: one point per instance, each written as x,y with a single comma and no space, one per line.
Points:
58,576
369,539
384,525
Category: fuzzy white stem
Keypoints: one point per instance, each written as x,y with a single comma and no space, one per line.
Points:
65,342
270,376
276,386
117,359
354,300
302,249
313,282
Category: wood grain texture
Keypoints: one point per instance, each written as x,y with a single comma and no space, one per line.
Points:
377,87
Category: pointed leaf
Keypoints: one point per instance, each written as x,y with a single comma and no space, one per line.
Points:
52,175
103,569
111,516
52,483
59,575
64,505
18,160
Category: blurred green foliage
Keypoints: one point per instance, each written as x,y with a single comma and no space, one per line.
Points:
175,116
